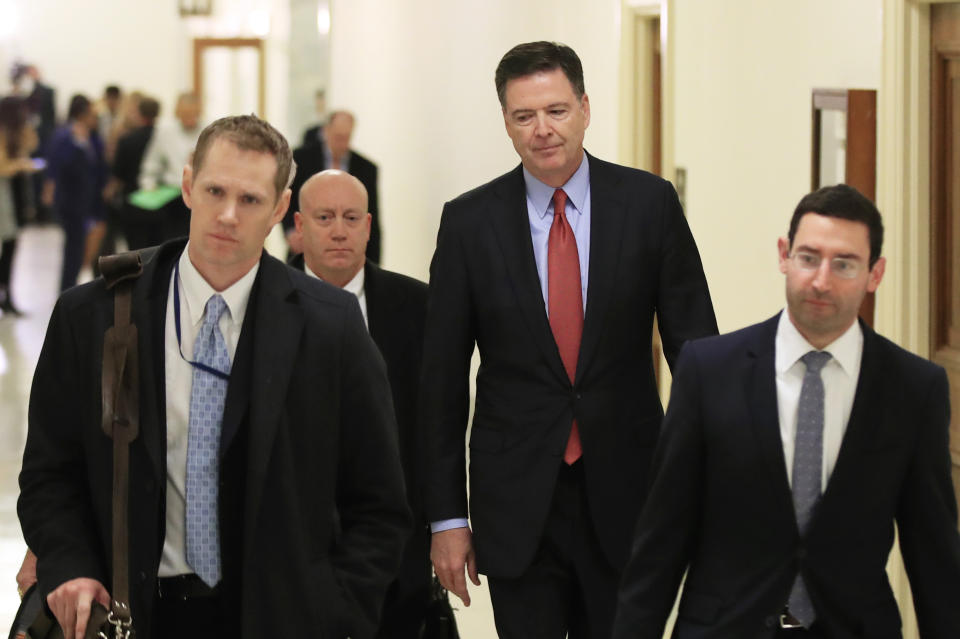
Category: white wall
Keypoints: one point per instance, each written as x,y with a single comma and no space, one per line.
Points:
419,76
137,44
744,71
146,47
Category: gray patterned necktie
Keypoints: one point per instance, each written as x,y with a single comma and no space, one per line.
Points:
807,468
207,398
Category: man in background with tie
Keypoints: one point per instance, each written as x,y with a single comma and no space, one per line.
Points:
333,152
789,450
266,494
555,271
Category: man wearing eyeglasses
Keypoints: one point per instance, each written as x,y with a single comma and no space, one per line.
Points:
789,450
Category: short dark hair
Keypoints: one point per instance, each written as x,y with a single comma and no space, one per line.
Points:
535,57
148,108
112,91
249,133
79,104
845,202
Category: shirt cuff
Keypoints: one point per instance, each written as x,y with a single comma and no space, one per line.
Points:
447,524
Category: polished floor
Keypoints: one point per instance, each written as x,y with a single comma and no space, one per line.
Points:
35,283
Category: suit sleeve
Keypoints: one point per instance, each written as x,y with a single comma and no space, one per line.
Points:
684,308
444,384
373,246
927,519
55,510
371,501
665,531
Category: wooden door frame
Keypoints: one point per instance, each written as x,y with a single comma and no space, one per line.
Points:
903,196
200,44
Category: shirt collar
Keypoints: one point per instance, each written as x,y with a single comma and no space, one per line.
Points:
541,194
196,291
846,350
354,286
328,158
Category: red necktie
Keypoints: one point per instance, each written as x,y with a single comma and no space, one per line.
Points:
566,301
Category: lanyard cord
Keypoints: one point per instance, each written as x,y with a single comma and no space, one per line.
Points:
176,315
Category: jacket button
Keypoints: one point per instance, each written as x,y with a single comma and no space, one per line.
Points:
142,576
801,553
771,621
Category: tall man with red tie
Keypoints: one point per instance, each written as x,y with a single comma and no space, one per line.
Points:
555,271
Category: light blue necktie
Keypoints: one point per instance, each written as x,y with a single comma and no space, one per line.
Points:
807,469
207,397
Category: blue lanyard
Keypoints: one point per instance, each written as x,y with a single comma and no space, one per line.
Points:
176,315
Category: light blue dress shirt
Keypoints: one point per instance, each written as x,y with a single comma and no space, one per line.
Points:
540,212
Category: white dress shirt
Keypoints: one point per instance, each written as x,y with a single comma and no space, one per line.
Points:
194,291
170,148
839,376
355,286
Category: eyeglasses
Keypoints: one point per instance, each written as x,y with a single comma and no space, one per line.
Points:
843,267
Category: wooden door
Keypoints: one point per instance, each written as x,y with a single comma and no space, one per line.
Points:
945,207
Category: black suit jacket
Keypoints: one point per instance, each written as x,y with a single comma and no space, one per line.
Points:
721,504
484,289
313,135
129,155
310,161
321,491
396,309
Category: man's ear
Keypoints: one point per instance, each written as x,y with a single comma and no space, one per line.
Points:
783,250
186,185
876,274
282,205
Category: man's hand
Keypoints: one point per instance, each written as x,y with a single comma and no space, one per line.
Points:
449,551
28,573
70,604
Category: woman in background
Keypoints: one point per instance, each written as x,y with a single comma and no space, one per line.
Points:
76,175
17,141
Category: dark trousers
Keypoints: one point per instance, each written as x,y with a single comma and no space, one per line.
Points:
74,242
6,264
799,633
185,607
570,587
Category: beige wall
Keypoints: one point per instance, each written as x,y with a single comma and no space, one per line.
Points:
744,72
419,75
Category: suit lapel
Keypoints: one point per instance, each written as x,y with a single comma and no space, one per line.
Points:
277,326
865,419
607,214
511,225
380,306
762,399
150,315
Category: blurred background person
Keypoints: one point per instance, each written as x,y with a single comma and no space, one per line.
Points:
169,150
334,152
76,175
17,141
42,117
314,134
140,227
108,110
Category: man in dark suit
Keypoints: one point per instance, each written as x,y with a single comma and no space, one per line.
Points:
334,226
265,418
335,153
789,450
567,409
314,134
